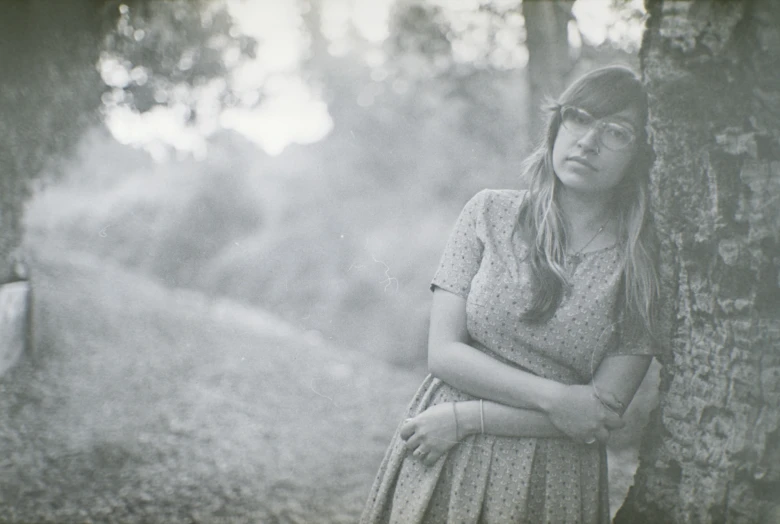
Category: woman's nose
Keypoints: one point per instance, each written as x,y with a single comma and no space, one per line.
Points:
590,140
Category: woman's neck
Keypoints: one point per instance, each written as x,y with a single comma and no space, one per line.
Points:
585,211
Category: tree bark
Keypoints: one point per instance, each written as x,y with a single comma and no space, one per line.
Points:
712,453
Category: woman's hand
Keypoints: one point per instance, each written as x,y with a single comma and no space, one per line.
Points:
582,415
431,434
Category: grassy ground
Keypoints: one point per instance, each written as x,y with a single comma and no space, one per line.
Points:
142,404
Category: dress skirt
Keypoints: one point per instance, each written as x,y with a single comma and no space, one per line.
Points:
488,479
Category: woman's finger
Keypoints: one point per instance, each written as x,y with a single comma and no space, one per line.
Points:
614,423
407,429
610,419
611,402
608,414
420,452
431,458
413,442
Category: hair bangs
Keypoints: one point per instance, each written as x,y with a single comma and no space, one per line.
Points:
606,91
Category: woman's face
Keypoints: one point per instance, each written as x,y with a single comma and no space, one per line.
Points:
581,161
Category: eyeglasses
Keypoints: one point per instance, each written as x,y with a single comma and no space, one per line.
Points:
611,135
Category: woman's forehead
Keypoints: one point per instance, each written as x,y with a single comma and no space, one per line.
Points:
629,115
609,102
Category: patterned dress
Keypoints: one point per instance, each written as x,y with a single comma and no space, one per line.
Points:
489,479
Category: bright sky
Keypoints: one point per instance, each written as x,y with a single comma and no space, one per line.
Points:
291,111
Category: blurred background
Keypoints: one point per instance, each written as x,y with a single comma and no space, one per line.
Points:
236,211
310,157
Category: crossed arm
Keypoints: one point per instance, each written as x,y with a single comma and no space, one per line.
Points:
516,403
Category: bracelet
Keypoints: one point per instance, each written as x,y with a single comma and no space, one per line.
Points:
455,412
481,417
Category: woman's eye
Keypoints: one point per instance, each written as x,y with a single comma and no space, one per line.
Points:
619,133
576,117
581,117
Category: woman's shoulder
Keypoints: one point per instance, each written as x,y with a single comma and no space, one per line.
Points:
499,199
497,206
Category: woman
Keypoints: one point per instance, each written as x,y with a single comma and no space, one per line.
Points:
541,329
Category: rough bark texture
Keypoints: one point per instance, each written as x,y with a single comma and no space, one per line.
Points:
713,451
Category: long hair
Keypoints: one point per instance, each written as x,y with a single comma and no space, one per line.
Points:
601,92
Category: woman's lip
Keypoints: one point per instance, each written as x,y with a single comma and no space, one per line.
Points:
580,160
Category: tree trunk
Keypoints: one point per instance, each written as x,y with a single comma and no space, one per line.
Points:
547,40
48,52
712,453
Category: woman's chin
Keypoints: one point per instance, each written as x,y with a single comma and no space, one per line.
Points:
578,183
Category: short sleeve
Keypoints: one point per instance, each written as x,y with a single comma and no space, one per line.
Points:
463,251
633,339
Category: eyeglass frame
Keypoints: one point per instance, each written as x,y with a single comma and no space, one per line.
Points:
599,125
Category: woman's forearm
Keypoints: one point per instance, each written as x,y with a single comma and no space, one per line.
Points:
472,371
504,421
453,360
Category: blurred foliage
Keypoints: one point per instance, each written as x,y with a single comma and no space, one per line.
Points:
429,38
51,89
340,237
166,53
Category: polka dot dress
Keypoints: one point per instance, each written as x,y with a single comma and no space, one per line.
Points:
487,479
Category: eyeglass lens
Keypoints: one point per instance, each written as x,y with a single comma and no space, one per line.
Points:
610,134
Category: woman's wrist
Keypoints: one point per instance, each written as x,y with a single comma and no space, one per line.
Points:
468,418
552,396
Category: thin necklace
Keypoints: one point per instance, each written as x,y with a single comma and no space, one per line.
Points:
575,257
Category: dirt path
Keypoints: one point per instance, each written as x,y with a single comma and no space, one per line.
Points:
145,405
